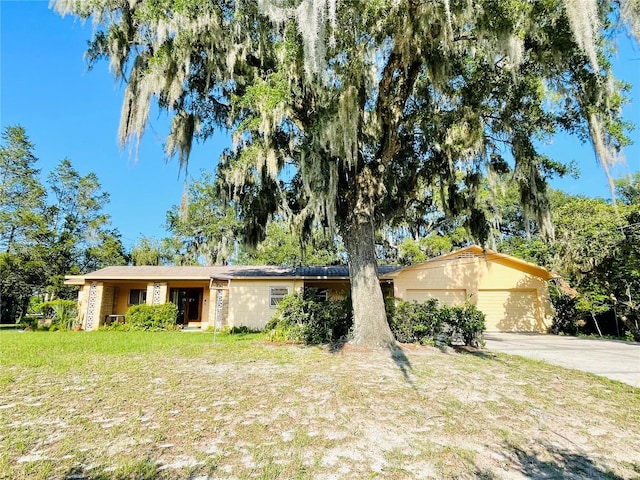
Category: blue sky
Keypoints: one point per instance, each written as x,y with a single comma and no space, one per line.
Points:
70,112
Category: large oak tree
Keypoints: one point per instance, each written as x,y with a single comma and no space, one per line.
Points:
344,111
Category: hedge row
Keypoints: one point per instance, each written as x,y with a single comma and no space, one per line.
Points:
149,318
305,318
428,322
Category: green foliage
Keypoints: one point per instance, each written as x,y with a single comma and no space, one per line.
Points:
413,322
204,228
628,189
78,238
465,321
147,251
151,317
428,323
30,321
305,318
414,251
596,250
281,246
47,232
21,223
565,318
62,313
241,330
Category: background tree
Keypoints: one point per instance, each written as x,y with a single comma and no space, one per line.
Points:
628,189
413,251
147,251
283,247
77,238
21,203
344,110
204,229
45,237
21,194
596,250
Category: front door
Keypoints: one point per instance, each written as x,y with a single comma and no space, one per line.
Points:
189,302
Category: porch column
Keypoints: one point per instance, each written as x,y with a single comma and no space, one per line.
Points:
156,293
94,306
218,299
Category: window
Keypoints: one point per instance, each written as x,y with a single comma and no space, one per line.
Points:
276,294
137,296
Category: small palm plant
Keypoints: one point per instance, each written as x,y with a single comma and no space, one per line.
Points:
63,313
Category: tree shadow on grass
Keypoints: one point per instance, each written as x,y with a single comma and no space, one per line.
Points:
480,353
402,362
144,469
337,347
545,460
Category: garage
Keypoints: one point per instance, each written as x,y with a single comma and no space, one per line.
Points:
509,310
512,293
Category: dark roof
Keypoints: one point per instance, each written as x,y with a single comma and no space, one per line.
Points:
332,271
219,272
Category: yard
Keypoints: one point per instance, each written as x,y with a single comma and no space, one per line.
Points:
127,405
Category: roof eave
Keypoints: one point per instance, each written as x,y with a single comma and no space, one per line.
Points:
146,278
491,256
74,280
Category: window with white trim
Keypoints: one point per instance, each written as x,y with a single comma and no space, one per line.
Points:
276,294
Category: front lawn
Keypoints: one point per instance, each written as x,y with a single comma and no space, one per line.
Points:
139,405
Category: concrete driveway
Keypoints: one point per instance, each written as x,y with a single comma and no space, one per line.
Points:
607,358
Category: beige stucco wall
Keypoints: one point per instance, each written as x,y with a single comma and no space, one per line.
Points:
511,299
83,299
249,301
122,290
162,293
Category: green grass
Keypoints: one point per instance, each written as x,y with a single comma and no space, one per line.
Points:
138,405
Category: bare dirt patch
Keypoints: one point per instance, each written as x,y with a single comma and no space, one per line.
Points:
254,410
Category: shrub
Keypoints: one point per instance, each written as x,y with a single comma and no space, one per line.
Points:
151,317
413,322
61,313
240,330
306,318
565,319
30,321
462,322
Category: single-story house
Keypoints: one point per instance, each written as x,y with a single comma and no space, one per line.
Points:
512,293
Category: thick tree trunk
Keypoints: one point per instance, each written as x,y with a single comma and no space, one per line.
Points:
370,328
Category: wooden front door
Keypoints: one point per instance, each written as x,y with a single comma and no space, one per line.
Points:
189,302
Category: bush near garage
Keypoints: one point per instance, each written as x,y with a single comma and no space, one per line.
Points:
429,323
304,317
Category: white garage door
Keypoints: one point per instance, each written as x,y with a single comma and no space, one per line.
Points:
509,310
444,297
